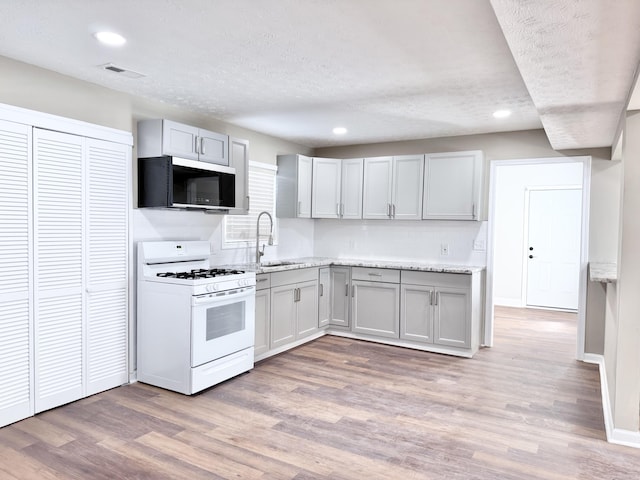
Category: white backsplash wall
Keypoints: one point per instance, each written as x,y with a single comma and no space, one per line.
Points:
295,236
417,241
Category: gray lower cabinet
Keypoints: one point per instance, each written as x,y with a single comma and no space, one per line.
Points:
340,296
294,305
376,302
263,314
437,308
324,297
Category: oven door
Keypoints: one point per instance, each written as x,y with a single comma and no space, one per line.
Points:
222,323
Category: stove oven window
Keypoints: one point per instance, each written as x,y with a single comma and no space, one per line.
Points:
225,320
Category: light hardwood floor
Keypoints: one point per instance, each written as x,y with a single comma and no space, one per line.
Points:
343,409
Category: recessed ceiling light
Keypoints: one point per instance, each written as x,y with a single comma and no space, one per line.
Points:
339,131
111,38
501,113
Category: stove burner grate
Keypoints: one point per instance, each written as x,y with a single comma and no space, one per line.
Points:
200,273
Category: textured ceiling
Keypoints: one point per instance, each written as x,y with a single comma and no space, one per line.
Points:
578,59
386,70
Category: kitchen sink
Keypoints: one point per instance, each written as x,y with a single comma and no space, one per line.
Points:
283,263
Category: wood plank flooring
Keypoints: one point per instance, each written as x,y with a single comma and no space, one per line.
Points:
344,409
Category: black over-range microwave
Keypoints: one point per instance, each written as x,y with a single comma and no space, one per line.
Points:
182,183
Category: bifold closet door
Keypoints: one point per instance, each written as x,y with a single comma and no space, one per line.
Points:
107,259
16,333
58,196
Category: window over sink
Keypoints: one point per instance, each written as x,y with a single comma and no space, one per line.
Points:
240,230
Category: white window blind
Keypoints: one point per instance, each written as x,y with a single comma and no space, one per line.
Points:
241,229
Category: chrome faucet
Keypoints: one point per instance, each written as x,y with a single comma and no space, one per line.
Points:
260,253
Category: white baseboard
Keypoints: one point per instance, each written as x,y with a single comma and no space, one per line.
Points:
614,435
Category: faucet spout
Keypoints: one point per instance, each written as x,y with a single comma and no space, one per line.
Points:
260,253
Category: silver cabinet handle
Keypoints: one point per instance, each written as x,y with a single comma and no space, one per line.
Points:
388,210
393,210
296,294
202,145
248,198
196,145
374,274
431,297
342,209
262,280
299,206
437,297
473,210
322,289
346,290
338,209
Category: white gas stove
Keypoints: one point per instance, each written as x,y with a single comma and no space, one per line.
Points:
195,323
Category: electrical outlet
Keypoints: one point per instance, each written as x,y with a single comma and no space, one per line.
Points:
479,245
444,249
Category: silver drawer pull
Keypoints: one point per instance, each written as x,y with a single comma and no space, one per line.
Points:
374,274
262,279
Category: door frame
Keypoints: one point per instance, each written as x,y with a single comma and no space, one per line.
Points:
584,243
525,237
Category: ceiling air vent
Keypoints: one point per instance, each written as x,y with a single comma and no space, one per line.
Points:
121,71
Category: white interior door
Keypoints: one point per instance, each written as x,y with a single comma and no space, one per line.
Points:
553,249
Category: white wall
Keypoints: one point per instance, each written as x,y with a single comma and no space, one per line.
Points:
510,190
417,241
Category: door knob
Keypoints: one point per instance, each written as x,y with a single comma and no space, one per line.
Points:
530,248
530,256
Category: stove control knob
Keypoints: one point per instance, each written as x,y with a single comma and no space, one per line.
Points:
242,283
212,288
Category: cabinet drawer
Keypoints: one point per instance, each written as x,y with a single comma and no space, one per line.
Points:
375,274
263,281
294,276
458,280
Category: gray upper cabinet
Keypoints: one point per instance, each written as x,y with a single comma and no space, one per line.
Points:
293,186
239,159
160,137
452,186
325,201
393,187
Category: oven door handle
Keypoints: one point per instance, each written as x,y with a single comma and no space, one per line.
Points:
226,295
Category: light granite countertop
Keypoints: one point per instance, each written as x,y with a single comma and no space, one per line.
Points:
307,262
603,272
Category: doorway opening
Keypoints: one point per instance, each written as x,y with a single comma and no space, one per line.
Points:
537,249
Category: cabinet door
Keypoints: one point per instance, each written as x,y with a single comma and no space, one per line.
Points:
239,159
283,315
307,308
407,187
452,184
263,313
305,170
351,191
452,317
340,296
179,140
376,196
324,297
58,252
107,260
16,333
325,201
416,313
376,308
213,147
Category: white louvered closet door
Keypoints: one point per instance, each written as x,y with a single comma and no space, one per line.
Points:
58,253
107,260
16,335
